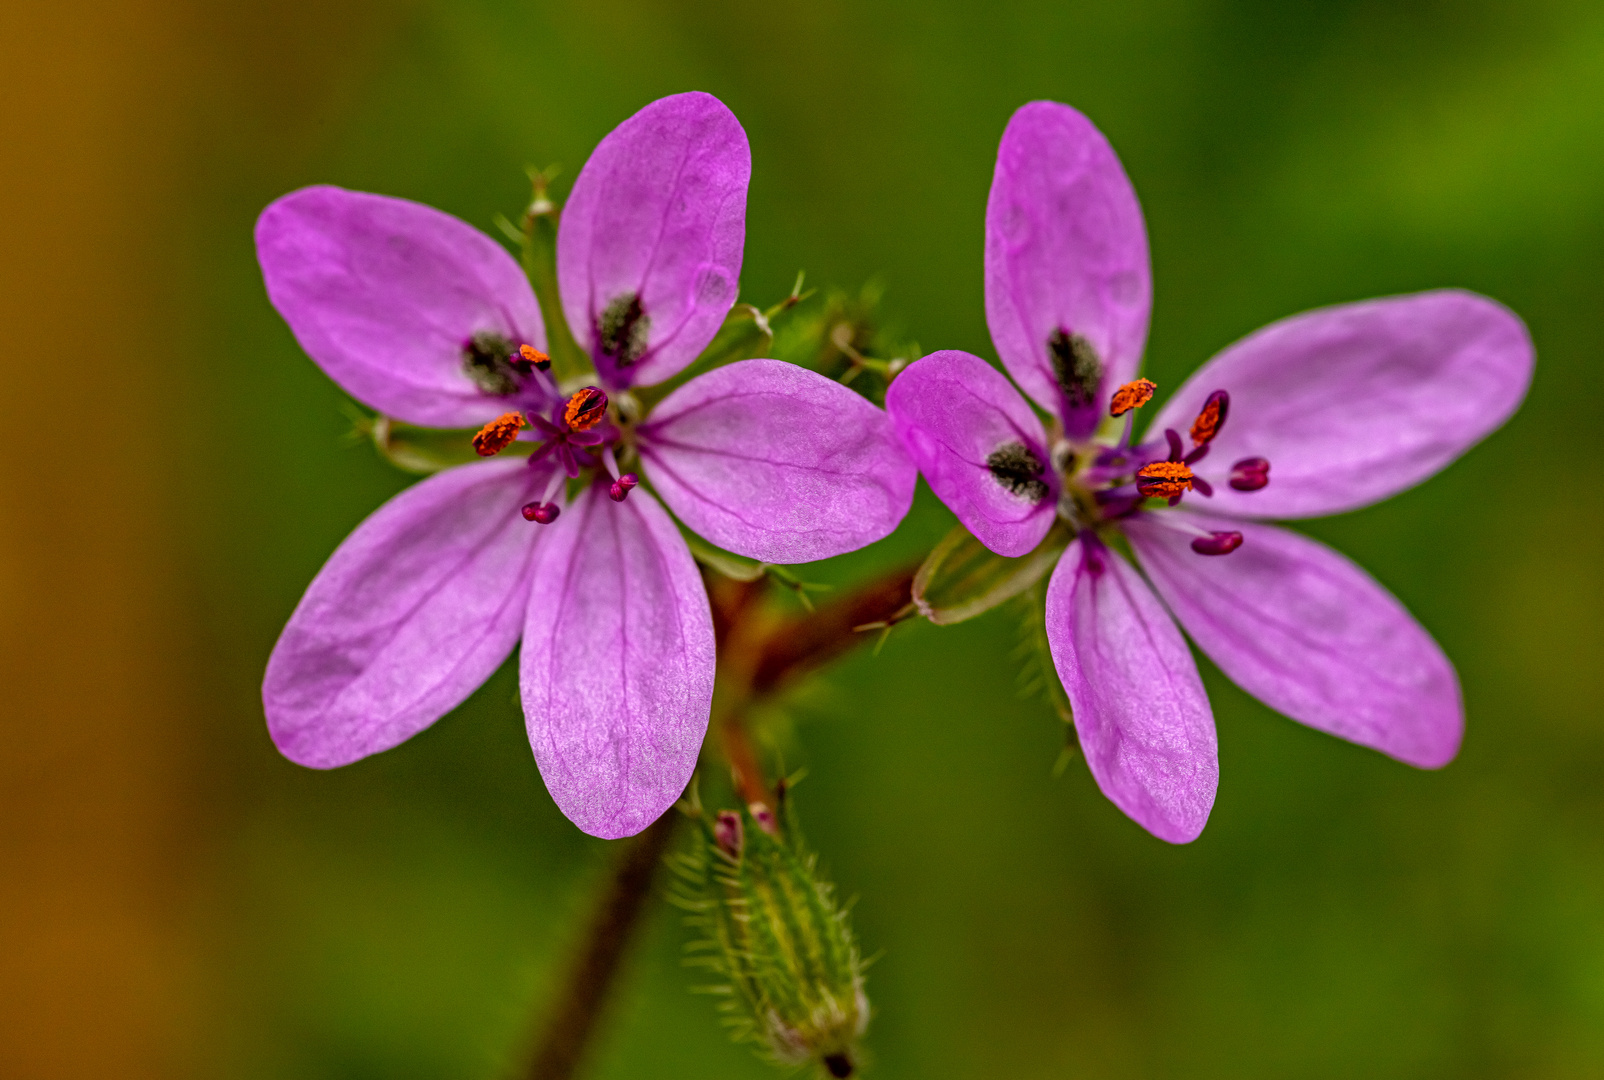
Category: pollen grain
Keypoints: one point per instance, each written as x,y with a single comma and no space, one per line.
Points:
497,435
585,409
1133,395
1164,479
1210,419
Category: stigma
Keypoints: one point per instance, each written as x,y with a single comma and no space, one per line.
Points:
499,434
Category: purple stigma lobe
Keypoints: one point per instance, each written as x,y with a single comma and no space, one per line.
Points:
1250,474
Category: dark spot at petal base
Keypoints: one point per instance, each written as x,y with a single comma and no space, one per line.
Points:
1076,367
1017,469
839,1065
487,359
621,330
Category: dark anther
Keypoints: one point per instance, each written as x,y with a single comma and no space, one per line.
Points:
1212,418
544,513
1076,367
1175,443
1220,543
621,330
1018,470
487,360
1250,474
839,1065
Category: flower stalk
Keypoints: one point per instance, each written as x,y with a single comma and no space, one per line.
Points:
759,654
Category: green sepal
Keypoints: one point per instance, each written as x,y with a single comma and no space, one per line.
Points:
962,578
538,236
747,333
738,569
772,932
417,450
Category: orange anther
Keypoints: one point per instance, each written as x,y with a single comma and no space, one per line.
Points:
1133,395
585,409
534,357
1164,479
1208,422
497,435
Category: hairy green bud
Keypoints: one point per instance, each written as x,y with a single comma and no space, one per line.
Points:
771,929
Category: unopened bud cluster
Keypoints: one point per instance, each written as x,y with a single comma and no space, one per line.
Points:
792,977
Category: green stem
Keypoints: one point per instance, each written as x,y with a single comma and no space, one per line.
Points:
568,360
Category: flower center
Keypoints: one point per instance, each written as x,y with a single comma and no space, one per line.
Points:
1103,484
578,434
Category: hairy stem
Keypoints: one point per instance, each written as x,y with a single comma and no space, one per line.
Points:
596,965
759,653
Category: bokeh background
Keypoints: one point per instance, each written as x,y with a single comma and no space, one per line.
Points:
176,900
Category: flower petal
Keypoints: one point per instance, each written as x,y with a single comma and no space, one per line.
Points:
1140,711
617,663
1311,635
778,463
410,614
1354,403
955,412
385,293
1066,250
657,215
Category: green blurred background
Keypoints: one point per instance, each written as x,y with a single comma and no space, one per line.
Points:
177,900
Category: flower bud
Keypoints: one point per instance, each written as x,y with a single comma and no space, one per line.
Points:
787,962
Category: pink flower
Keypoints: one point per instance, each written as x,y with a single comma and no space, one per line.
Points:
425,319
1321,413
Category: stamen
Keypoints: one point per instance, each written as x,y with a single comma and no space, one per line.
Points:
545,509
1250,474
497,435
1175,443
529,359
1133,395
1164,479
585,409
1220,543
1212,418
620,488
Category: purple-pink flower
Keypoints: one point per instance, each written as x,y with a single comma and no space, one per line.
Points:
1317,414
426,320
